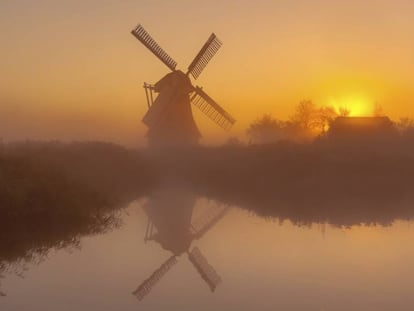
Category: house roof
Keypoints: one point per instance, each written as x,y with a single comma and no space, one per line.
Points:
361,126
362,121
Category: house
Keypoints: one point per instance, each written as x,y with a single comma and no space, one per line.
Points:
362,129
359,134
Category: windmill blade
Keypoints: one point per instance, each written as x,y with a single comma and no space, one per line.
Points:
140,33
211,109
207,221
146,286
206,271
203,57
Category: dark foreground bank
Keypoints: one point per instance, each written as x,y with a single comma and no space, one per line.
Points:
53,193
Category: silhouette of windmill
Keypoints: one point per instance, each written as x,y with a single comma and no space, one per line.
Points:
171,225
2,294
169,117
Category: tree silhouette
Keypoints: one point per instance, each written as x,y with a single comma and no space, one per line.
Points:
307,122
314,120
344,112
405,124
325,116
378,110
306,115
266,129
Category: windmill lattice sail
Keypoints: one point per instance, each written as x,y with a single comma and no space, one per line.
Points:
140,33
207,220
149,283
211,109
206,271
203,57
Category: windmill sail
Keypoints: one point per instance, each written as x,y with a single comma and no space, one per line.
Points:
203,57
146,286
205,270
207,220
211,109
140,33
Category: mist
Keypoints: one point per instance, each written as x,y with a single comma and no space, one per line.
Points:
160,155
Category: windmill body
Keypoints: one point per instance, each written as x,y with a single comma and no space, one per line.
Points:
169,117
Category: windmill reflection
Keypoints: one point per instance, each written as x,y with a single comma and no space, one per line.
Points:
2,294
173,224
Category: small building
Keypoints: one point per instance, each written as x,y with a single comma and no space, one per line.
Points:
361,132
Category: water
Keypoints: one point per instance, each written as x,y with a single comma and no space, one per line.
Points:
263,264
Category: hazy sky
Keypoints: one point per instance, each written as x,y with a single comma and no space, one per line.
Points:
72,70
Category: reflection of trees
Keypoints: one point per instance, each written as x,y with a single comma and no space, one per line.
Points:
45,207
51,194
28,238
309,183
2,268
42,208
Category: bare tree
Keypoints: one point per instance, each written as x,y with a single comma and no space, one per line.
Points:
326,115
306,115
313,120
405,125
378,111
344,112
308,121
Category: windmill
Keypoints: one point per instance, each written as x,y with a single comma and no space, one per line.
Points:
169,117
2,294
171,223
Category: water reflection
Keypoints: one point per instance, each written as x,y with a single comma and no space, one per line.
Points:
276,260
28,236
171,223
2,294
347,205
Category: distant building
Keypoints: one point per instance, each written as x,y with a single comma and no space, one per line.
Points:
361,129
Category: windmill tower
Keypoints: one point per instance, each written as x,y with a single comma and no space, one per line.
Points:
171,224
169,117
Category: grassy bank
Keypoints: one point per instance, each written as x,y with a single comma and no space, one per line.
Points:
53,193
307,183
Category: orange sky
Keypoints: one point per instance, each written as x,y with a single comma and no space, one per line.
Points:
72,70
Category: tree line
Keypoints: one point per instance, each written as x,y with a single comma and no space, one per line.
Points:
308,122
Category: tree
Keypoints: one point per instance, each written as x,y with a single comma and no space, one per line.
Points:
266,129
306,115
344,112
308,121
234,141
378,111
313,120
326,115
405,125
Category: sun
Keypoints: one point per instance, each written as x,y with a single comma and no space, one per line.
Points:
358,106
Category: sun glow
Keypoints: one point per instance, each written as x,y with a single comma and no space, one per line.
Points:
358,106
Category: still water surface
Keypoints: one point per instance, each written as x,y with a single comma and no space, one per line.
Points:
179,252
